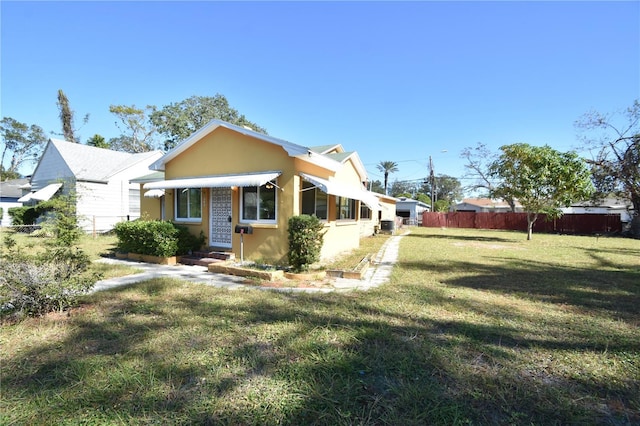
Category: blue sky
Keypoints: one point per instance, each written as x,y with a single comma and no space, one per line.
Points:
394,81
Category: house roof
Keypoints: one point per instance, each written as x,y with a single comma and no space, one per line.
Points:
609,202
89,163
487,203
150,177
330,157
12,188
405,200
326,149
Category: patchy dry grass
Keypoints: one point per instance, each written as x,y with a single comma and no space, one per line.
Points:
475,327
368,246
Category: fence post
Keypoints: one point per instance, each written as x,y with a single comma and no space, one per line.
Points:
94,226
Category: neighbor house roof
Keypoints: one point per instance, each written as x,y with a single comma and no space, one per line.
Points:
609,202
88,163
409,201
12,188
488,203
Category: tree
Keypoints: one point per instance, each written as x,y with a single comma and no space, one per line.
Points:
442,206
67,118
177,121
479,159
541,179
387,167
376,186
400,188
615,162
22,142
424,198
137,135
447,188
98,141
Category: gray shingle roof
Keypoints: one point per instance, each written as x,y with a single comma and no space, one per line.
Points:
96,164
12,188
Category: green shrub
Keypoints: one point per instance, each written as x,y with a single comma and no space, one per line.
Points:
305,241
62,210
150,237
23,215
187,242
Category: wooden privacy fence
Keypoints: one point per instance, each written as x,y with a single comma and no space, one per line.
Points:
566,224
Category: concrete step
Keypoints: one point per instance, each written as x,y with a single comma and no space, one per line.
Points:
219,255
200,261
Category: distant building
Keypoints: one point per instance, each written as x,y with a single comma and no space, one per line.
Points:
10,193
98,178
485,205
611,205
411,210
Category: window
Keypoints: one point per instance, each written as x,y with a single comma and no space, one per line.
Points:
365,211
259,203
345,208
314,201
188,204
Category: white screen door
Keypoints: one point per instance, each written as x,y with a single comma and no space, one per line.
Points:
220,227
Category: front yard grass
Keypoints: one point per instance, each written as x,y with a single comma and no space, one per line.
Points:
475,327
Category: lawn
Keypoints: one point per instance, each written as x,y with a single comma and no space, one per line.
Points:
475,327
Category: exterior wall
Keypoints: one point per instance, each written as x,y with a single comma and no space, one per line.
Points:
368,226
388,211
150,208
341,237
101,205
5,219
51,169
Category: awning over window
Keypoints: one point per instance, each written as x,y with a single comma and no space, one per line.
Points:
221,181
154,193
43,194
335,188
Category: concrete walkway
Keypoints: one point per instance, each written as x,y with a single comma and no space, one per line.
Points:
377,274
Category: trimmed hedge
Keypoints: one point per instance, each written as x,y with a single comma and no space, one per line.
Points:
305,241
155,238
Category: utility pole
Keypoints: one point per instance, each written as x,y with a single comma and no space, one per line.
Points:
432,183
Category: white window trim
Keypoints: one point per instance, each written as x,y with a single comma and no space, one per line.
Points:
175,207
265,221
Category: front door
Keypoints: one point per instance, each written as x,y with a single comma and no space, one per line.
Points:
220,227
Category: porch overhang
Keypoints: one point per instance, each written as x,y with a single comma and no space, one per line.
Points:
336,188
219,181
43,194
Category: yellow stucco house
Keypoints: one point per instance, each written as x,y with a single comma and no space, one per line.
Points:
224,177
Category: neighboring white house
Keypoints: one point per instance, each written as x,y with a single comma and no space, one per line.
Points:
485,205
10,192
411,210
98,177
607,206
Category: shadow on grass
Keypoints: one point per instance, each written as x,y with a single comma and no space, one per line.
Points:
461,237
178,353
611,289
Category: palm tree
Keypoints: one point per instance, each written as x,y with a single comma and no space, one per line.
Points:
387,167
